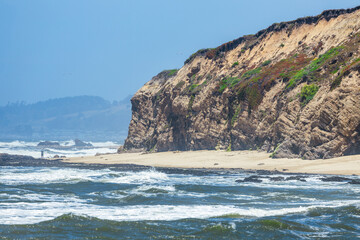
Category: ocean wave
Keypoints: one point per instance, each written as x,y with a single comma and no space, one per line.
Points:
105,144
27,213
36,197
18,176
17,144
31,149
80,152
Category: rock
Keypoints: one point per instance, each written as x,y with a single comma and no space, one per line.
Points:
297,178
209,104
355,181
277,179
121,149
254,179
79,143
264,172
335,179
48,144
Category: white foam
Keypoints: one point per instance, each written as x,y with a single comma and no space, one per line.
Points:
144,188
28,209
29,197
67,143
31,149
28,213
17,144
25,152
105,144
16,176
79,152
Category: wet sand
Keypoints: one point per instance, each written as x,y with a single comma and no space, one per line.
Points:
247,160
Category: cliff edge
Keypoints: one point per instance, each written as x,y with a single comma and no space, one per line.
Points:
292,89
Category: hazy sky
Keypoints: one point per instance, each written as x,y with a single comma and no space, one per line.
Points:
110,48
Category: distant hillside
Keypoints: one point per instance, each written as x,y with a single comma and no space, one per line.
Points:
69,117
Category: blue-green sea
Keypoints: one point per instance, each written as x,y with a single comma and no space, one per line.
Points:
110,203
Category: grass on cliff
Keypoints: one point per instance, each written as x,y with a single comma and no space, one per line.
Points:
172,72
193,87
344,72
251,84
236,115
232,81
272,155
266,63
313,66
307,93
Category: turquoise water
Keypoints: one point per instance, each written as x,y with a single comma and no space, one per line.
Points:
71,203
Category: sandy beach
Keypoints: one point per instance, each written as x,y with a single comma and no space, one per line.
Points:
249,160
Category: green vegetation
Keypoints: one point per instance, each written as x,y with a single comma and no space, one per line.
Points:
228,82
254,97
179,85
153,149
250,73
172,72
191,102
282,45
232,81
235,64
199,52
272,155
251,84
229,148
335,70
192,87
345,71
313,66
266,63
235,116
307,93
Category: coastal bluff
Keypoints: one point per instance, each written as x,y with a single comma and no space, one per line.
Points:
292,89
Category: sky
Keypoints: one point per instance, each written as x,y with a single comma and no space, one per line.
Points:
110,48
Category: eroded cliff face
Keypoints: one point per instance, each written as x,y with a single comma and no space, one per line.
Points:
293,88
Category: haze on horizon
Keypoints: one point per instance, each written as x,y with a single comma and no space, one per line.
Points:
53,49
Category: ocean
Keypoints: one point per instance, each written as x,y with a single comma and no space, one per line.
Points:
113,203
66,148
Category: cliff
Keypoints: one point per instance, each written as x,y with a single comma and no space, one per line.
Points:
292,89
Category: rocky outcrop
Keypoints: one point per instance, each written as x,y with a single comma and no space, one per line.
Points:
79,143
291,89
48,144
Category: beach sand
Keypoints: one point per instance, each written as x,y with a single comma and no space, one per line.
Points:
248,160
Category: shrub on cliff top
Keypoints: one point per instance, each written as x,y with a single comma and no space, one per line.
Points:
172,72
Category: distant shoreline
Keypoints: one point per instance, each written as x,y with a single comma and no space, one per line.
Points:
246,160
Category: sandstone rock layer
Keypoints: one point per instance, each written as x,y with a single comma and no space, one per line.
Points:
292,89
